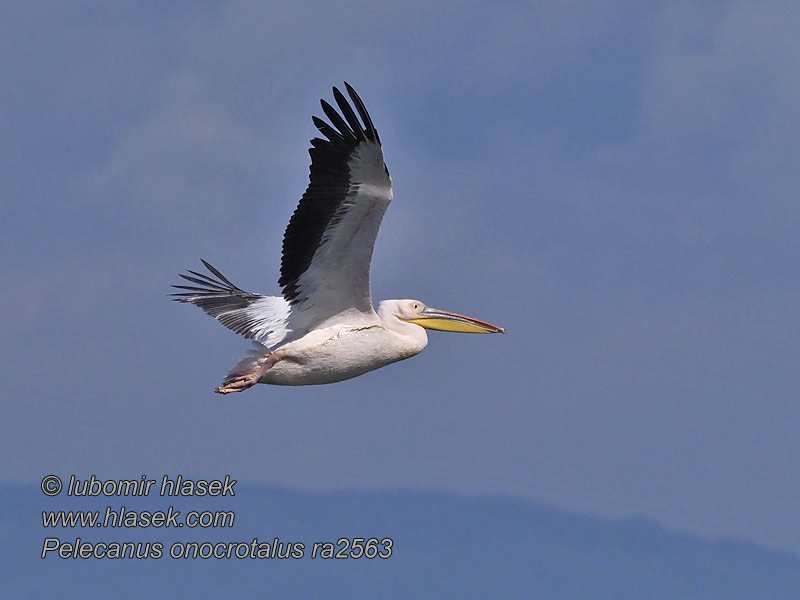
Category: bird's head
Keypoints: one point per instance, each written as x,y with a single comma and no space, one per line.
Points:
414,311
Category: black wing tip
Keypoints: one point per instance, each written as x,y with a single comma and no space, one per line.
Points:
208,265
354,97
344,122
350,91
208,285
369,126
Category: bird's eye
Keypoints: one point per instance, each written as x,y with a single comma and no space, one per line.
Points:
415,306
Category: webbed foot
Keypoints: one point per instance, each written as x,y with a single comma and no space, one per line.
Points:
238,384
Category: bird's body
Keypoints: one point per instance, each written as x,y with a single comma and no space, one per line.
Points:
343,350
323,329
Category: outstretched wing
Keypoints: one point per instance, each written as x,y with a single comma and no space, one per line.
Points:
327,247
257,317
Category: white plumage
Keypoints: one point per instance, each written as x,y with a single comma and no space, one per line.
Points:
323,328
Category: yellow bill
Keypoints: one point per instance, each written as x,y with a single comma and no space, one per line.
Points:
440,320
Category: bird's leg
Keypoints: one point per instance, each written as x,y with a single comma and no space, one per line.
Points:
248,371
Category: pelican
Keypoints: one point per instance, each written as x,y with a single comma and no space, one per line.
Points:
323,328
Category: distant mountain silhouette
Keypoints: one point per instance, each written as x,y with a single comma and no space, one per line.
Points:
444,546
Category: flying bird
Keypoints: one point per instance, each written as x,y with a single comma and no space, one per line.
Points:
323,328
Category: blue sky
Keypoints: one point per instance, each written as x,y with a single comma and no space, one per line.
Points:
614,184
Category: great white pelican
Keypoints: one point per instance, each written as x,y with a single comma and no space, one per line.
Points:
323,328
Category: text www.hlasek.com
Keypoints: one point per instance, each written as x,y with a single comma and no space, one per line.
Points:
123,517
